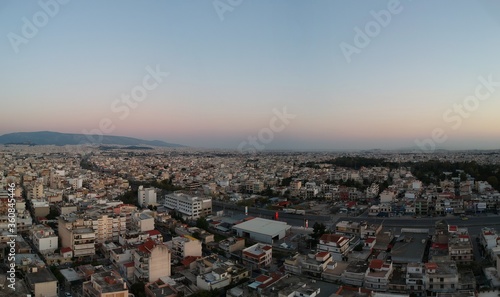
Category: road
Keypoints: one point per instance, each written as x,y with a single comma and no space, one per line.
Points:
474,223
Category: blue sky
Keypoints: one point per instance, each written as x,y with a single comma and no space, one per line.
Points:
225,76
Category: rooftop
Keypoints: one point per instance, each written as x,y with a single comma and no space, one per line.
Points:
263,226
43,275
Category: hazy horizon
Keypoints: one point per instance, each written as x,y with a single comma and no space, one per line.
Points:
216,75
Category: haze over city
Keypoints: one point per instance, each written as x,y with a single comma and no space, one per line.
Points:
216,74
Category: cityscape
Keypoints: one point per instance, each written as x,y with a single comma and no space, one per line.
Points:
243,148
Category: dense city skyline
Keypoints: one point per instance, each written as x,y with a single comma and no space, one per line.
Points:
357,75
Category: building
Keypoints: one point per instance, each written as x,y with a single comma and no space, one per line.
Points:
335,244
81,240
350,228
460,247
142,221
378,275
151,261
41,207
160,289
410,246
44,239
146,196
184,246
107,227
354,274
415,277
311,264
441,277
262,230
189,206
41,282
105,284
232,244
258,255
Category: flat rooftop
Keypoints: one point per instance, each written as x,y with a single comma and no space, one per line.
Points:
263,226
43,275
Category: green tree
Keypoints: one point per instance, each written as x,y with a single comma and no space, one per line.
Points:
318,230
493,181
202,223
138,289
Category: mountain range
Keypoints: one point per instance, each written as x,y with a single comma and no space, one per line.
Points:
56,138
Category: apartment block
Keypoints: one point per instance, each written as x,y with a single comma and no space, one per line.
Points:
105,284
146,196
184,246
44,239
460,247
232,244
415,277
151,261
189,206
142,221
441,277
41,282
258,255
337,245
377,275
311,264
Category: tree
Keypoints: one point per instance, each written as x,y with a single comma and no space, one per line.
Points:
318,230
138,289
202,223
493,181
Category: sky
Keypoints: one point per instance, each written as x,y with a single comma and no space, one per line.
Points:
232,74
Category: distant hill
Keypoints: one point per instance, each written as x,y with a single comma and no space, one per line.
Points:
55,138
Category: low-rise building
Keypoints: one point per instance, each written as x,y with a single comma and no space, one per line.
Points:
378,275
232,244
335,244
105,284
184,246
441,277
41,282
44,239
258,255
354,274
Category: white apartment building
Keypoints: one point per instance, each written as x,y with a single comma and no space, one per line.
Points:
258,255
151,261
189,206
146,196
183,246
107,227
44,239
378,275
337,245
142,221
